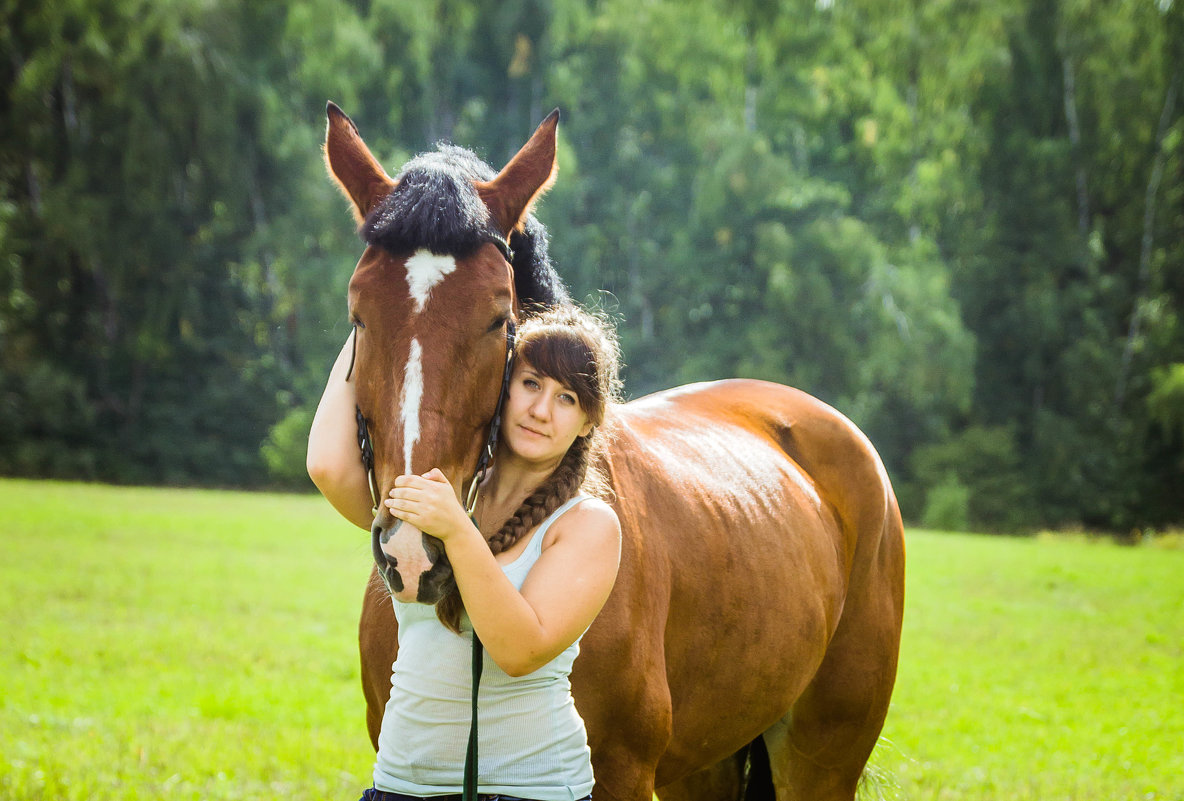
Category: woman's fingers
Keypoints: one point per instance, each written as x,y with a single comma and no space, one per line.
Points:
435,475
426,500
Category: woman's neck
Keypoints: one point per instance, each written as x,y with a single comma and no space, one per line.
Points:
513,479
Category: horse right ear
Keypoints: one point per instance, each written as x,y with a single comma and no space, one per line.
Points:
531,172
357,173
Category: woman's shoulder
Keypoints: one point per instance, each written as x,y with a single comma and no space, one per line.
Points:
591,517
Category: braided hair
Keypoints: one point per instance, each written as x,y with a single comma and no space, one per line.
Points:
577,349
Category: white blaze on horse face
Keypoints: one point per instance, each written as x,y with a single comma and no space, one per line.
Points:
412,398
406,543
424,271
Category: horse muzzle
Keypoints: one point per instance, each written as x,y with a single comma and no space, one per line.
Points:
412,564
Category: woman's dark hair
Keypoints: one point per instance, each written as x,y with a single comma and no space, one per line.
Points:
579,350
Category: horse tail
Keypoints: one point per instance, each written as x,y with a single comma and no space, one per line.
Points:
758,775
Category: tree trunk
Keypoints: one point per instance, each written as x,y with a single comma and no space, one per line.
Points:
1069,78
1143,280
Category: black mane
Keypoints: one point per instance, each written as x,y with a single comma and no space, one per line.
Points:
435,206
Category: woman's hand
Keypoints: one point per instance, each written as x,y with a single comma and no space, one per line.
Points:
429,503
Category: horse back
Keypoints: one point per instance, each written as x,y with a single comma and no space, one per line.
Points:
735,440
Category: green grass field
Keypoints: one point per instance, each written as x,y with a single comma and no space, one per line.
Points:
201,645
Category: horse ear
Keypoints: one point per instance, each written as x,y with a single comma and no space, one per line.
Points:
531,172
357,173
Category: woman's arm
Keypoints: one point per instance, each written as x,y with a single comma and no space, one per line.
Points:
565,590
334,463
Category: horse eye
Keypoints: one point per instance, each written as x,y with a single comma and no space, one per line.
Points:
356,323
498,323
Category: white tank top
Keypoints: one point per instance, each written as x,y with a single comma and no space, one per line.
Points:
531,740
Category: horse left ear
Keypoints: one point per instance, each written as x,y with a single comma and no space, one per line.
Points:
531,172
359,175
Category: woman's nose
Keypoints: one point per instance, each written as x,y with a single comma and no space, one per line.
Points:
541,408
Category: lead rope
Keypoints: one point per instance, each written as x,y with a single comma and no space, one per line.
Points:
469,788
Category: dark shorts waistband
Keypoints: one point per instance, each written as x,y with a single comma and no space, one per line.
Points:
374,794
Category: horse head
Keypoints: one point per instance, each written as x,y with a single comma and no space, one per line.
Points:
452,254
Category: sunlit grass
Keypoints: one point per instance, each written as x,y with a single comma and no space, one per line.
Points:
178,644
1039,669
202,645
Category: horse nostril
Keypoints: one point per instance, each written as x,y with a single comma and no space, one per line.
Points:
385,562
380,534
379,537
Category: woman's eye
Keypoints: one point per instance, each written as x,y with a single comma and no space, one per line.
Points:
530,383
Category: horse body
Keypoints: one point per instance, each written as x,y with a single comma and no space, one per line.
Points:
747,510
760,590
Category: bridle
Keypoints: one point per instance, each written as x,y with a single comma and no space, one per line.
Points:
366,445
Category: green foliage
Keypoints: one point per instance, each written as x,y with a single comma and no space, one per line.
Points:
947,505
974,480
1165,402
284,449
943,218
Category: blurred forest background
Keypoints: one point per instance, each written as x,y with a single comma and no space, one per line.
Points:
959,222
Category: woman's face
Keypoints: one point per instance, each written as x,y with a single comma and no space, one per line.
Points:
542,417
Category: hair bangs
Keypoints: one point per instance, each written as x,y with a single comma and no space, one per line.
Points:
565,357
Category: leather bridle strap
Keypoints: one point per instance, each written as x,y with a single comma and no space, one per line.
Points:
495,424
367,449
366,446
501,244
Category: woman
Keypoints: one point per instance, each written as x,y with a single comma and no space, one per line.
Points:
530,586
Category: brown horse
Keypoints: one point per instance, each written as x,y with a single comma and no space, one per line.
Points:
750,643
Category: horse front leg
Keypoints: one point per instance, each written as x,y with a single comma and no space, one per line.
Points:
621,693
378,645
628,732
621,776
